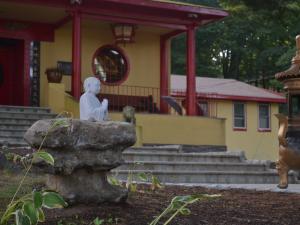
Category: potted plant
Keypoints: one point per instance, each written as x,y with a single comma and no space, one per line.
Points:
54,75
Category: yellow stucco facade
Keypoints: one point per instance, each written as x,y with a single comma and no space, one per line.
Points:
256,144
144,56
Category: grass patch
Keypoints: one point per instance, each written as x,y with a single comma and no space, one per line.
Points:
9,183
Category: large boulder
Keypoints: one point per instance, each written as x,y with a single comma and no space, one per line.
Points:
84,152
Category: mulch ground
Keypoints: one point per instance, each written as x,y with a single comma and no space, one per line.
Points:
234,207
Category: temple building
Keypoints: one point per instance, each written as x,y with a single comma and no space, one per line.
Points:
49,47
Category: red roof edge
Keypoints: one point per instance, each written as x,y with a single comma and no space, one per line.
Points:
232,97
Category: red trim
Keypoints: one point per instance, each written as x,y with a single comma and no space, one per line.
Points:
230,97
191,72
26,53
117,19
76,56
28,30
264,130
171,6
172,34
159,13
122,52
62,21
239,129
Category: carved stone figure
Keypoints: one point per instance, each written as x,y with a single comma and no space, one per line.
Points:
90,106
84,152
129,114
289,126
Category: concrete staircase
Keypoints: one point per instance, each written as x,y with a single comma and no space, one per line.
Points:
15,120
171,165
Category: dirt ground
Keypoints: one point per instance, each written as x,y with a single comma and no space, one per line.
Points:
234,207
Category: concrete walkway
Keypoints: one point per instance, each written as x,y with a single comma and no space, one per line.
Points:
293,188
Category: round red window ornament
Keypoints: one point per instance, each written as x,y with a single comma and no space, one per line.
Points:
111,65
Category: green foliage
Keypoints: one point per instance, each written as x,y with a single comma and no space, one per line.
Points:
256,40
179,205
28,210
45,156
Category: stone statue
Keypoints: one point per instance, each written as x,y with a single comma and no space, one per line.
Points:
90,106
129,114
85,152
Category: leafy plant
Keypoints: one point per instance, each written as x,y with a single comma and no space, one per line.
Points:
179,205
98,221
28,210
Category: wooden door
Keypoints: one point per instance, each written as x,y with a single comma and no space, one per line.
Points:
7,72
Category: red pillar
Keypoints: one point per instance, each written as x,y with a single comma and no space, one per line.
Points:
191,71
164,72
76,56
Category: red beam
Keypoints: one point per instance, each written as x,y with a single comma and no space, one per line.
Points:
76,56
26,30
62,21
118,19
191,71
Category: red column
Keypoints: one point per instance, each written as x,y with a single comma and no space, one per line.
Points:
164,72
191,71
76,56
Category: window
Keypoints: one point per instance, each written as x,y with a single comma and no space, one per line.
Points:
110,64
264,116
239,111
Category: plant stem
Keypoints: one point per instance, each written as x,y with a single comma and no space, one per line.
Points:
177,211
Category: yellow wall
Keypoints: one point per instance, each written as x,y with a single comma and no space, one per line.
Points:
169,129
257,145
144,54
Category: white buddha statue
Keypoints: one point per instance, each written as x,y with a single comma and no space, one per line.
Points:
90,106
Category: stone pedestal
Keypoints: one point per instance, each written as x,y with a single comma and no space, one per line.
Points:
84,153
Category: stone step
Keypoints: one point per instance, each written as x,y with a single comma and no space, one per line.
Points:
157,149
5,108
216,177
26,115
194,166
14,126
191,148
13,141
18,121
140,156
12,132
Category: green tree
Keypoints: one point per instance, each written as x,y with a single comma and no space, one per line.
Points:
256,40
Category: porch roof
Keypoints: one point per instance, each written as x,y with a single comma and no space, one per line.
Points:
227,89
144,12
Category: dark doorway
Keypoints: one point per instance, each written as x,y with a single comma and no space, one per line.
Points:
12,72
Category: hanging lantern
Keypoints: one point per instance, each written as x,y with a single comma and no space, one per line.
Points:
124,33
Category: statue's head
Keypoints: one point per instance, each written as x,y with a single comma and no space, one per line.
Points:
92,85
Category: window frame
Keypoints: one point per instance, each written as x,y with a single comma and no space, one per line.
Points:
258,116
245,116
124,56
